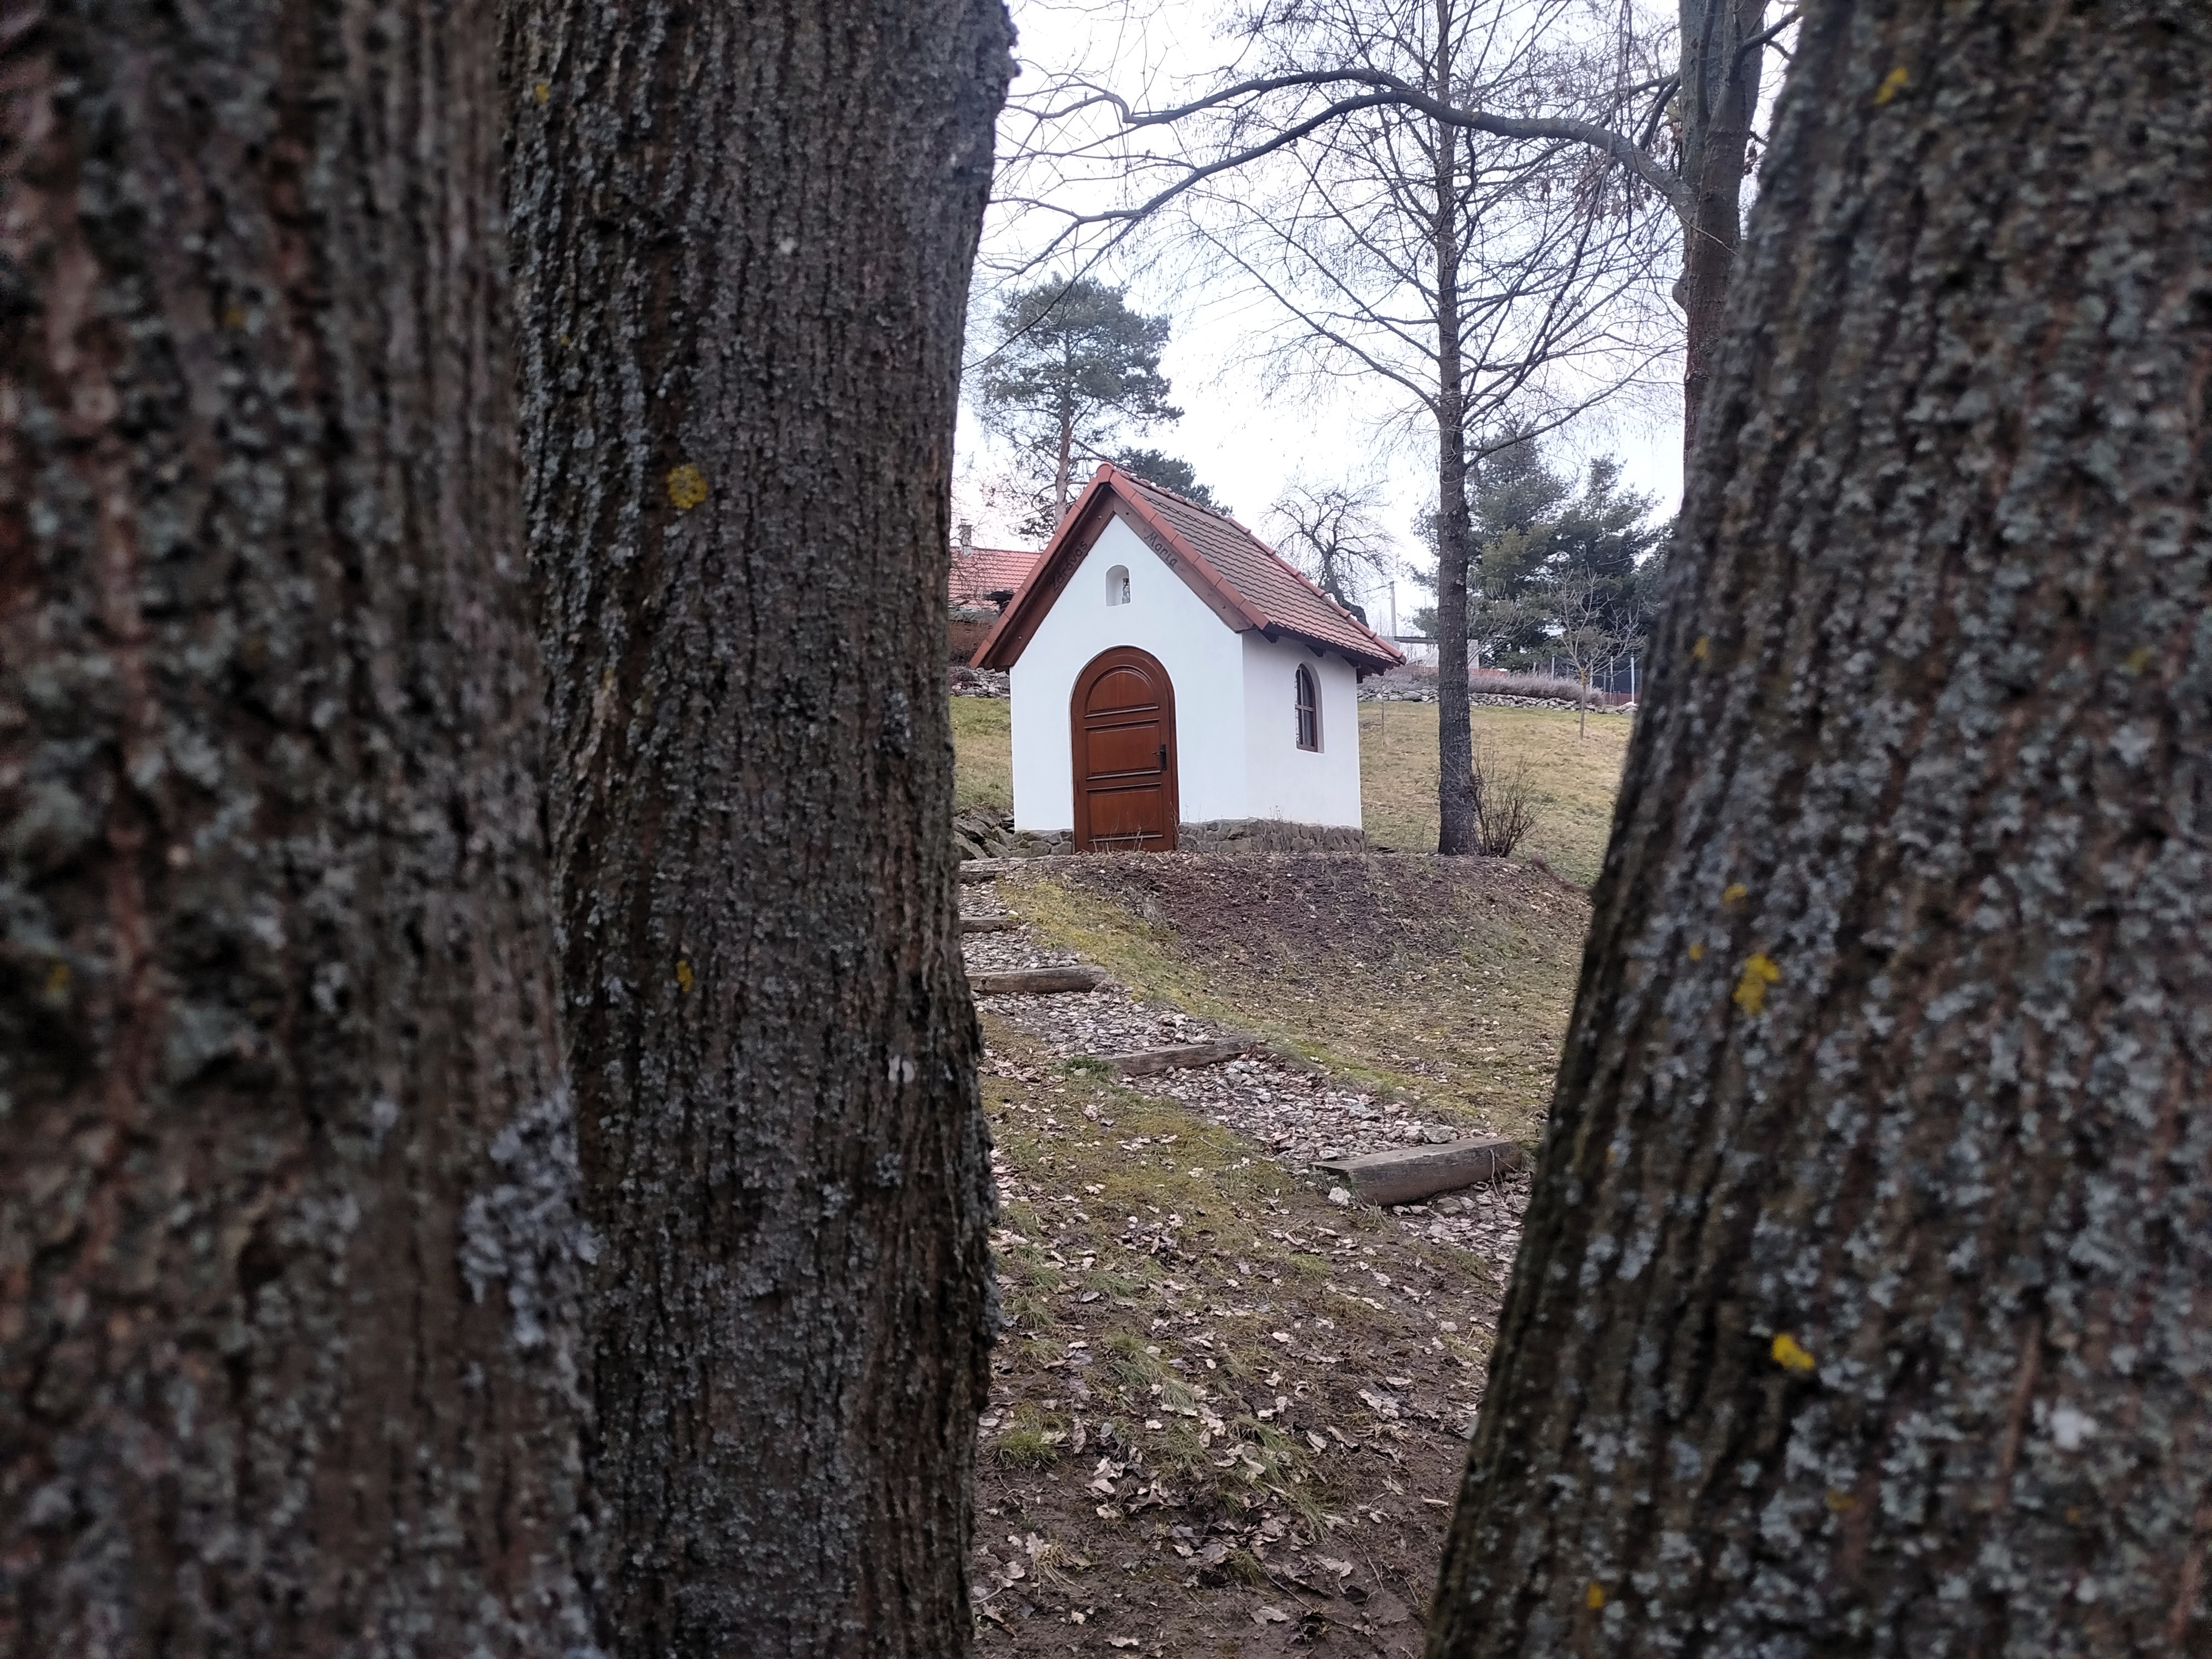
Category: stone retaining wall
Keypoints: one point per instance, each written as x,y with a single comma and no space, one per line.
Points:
1268,835
1221,836
1496,700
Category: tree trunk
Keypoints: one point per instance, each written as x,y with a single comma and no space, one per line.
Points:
1454,738
743,238
1865,1302
1063,467
1719,96
289,1315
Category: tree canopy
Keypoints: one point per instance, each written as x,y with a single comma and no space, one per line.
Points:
1540,542
1073,365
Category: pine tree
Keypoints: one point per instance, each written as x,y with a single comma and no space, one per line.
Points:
1072,365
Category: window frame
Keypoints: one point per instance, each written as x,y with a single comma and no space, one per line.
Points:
1305,696
1119,590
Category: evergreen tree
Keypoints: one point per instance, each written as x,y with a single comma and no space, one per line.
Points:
1536,538
1169,472
1073,365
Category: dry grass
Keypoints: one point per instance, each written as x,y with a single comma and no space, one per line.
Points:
1572,781
1447,980
982,754
1184,1397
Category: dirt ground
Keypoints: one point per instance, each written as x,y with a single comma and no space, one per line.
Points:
1230,1410
1449,981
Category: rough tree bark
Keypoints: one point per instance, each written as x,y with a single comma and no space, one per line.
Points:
288,1294
743,238
1865,1303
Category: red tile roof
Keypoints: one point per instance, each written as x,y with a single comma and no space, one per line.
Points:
1245,582
979,572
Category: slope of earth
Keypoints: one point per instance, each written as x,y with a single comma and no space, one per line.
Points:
1228,1415
1444,981
1572,779
1228,1405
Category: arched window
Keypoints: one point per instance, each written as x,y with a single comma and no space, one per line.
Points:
1308,709
1117,584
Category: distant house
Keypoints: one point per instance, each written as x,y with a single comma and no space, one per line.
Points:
1175,683
986,576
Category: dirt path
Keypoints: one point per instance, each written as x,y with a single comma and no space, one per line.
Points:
1297,1114
1229,1412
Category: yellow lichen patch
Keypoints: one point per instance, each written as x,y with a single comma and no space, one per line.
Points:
58,982
233,316
683,977
687,486
1790,1357
1696,950
1593,1597
542,92
1733,891
1759,972
1702,649
1840,1501
1892,83
2140,659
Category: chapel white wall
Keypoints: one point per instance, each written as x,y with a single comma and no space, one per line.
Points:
1283,780
1198,649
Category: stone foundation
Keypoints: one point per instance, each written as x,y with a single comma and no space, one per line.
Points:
993,835
1269,836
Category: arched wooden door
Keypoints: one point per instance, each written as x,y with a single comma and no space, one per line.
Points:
1123,713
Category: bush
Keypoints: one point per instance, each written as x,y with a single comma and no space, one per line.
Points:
1504,813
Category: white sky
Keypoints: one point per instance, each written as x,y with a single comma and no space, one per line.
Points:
1246,444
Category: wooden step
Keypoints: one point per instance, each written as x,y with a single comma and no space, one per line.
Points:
986,869
1037,981
988,924
1413,1173
1147,1062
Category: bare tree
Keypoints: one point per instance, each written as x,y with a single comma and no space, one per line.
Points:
1864,1304
1480,279
1587,628
290,1258
1681,132
744,237
1331,532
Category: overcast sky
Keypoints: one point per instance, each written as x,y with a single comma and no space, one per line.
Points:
1246,443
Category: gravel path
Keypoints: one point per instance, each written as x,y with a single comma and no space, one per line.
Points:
1298,1113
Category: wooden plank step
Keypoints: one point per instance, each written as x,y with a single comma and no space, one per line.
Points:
988,924
986,869
1413,1173
1037,981
1143,1062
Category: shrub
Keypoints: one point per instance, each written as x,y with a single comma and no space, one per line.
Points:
1504,813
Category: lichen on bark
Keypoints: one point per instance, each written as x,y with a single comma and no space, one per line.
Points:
274,928
743,237
1863,1305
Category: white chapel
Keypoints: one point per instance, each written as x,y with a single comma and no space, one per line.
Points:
1176,682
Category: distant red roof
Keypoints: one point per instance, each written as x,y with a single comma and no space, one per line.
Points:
980,572
1243,579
